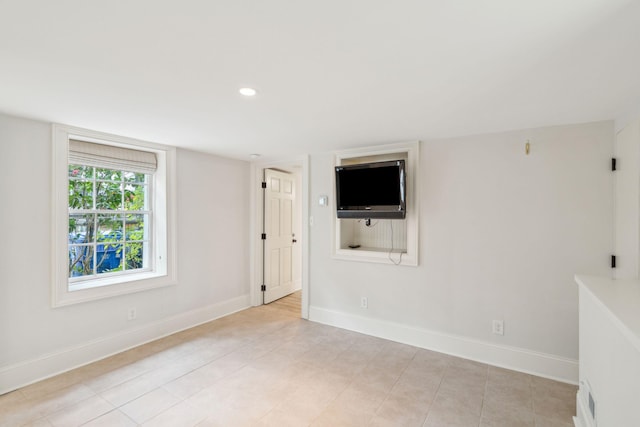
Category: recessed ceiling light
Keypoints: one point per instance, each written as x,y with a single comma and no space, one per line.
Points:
248,91
254,156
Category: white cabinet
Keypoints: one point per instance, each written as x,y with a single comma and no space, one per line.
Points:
609,393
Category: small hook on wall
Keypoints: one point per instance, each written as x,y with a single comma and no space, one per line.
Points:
527,147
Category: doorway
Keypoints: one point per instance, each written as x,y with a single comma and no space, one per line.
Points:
280,234
281,255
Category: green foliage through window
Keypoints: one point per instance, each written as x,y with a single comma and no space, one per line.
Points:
108,221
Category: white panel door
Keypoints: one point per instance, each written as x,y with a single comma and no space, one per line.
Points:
279,210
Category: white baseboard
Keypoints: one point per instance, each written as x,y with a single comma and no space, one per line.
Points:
518,359
30,371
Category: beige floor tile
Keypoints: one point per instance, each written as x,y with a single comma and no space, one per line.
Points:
50,385
459,397
501,375
546,422
293,350
505,395
421,377
510,382
229,417
300,373
554,408
286,418
360,398
254,402
142,384
498,413
9,400
505,422
378,378
115,377
30,410
320,355
401,411
189,384
42,422
468,377
180,415
545,387
335,416
451,417
391,363
468,367
130,390
302,407
395,420
114,418
264,366
422,394
212,398
149,405
455,407
432,358
81,412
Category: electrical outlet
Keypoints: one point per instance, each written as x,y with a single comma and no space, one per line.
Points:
364,303
132,313
498,327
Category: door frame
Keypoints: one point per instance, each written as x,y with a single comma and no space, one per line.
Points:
256,209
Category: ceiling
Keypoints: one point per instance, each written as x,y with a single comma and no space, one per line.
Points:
330,74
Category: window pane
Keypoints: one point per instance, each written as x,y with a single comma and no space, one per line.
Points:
108,174
80,194
110,227
81,228
135,226
109,247
80,260
133,177
108,257
109,195
80,171
134,255
134,196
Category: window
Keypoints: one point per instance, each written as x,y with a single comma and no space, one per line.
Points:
112,212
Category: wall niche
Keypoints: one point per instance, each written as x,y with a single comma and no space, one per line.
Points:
387,241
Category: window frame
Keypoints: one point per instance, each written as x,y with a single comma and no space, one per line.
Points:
163,260
83,282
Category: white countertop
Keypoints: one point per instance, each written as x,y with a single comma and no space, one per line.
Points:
620,299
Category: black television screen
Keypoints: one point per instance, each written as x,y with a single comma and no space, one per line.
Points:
371,190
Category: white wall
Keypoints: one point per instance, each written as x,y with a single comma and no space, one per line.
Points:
502,235
36,340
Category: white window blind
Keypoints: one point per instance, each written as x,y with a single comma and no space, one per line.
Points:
110,157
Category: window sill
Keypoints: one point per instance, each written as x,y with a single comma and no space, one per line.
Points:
112,286
116,279
375,255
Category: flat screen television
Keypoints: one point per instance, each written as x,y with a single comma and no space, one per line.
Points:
371,190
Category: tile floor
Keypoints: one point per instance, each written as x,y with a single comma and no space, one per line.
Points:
266,367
